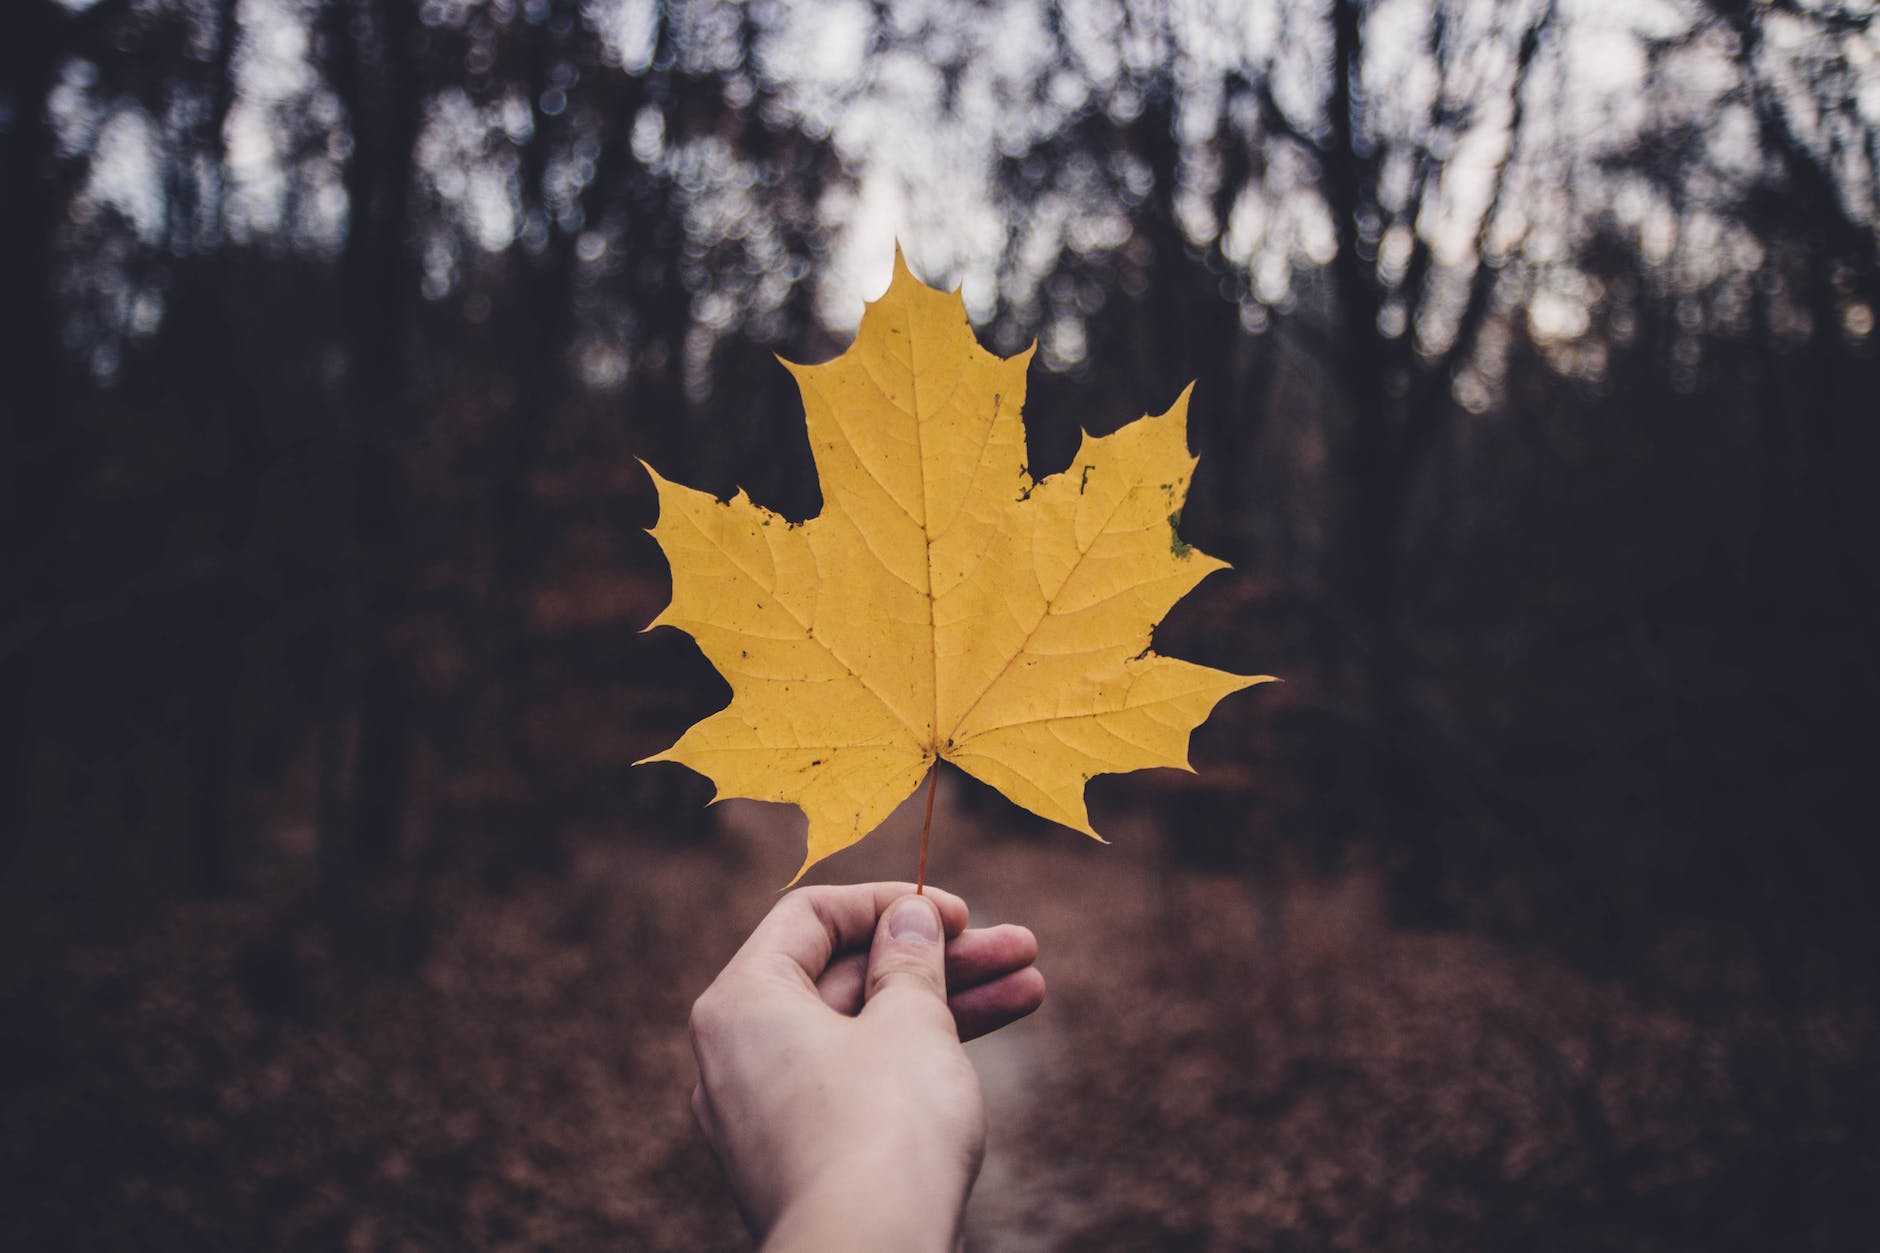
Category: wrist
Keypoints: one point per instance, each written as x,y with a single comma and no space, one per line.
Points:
882,1201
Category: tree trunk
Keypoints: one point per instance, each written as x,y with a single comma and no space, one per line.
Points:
211,384
376,277
35,472
1366,554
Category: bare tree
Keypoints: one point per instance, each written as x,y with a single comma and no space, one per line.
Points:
376,71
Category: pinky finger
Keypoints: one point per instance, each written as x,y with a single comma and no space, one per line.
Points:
984,1009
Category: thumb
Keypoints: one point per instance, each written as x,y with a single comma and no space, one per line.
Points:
908,958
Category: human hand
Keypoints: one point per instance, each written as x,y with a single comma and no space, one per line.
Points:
833,1087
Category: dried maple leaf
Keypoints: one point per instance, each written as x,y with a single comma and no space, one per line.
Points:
942,606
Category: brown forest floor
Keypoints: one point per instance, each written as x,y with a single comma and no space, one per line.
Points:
1215,1068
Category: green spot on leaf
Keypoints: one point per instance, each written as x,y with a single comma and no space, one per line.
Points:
1177,545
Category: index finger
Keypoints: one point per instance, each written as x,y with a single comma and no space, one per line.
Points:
813,924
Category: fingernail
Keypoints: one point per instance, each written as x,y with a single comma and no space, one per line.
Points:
914,919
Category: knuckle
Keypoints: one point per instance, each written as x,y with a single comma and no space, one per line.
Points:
916,1003
707,1016
798,898
910,971
801,901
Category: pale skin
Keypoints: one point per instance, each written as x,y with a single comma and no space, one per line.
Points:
832,1082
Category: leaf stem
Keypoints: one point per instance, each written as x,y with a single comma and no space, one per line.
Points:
926,827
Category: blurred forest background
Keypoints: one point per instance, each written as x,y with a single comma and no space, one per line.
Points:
1536,359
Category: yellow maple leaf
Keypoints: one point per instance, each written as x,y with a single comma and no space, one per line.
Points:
942,606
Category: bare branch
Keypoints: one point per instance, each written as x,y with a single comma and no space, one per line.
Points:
1425,415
